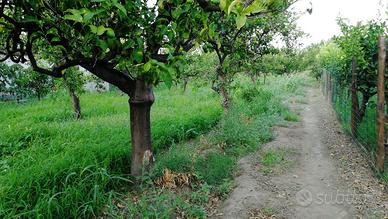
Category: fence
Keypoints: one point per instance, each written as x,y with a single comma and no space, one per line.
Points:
12,97
365,122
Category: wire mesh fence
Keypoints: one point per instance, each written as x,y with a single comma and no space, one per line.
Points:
359,119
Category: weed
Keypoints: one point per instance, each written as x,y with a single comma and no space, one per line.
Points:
214,168
274,160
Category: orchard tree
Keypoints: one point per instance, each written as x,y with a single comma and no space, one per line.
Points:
6,78
36,84
11,81
109,38
235,48
200,66
359,43
21,82
73,81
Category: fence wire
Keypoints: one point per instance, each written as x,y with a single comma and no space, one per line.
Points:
365,132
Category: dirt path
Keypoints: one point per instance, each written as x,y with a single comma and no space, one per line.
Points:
313,181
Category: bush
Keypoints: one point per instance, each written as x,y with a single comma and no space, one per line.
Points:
249,94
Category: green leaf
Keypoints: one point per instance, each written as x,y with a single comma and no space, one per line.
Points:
121,8
166,76
110,32
255,7
147,66
224,4
88,16
93,28
138,56
55,39
100,30
232,6
240,21
186,35
161,4
102,44
73,17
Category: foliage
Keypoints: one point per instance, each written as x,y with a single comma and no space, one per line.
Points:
261,57
200,66
357,43
330,58
360,42
23,82
211,160
279,63
114,35
73,80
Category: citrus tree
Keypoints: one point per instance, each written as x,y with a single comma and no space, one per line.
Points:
73,81
359,43
237,47
21,82
111,38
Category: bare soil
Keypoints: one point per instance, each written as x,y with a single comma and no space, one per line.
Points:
326,176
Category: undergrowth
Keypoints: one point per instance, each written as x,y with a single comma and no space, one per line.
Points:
56,167
52,166
213,156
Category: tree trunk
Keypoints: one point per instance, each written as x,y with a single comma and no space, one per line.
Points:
223,89
253,78
185,81
140,102
362,109
76,104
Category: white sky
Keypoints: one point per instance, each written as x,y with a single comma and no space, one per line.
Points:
321,24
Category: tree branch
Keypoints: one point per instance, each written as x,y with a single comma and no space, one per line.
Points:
124,82
208,6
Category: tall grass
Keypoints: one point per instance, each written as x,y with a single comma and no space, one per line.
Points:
53,166
212,158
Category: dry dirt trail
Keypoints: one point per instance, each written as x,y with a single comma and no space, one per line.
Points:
325,176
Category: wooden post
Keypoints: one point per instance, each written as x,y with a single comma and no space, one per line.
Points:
353,90
380,152
330,89
327,85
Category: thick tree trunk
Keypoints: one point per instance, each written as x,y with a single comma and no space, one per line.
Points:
140,102
76,104
223,89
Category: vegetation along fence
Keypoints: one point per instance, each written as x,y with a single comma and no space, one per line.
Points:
363,117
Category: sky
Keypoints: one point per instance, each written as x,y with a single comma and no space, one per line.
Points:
321,24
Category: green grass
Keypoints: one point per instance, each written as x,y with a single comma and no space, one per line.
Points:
212,157
276,160
55,166
52,166
272,157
